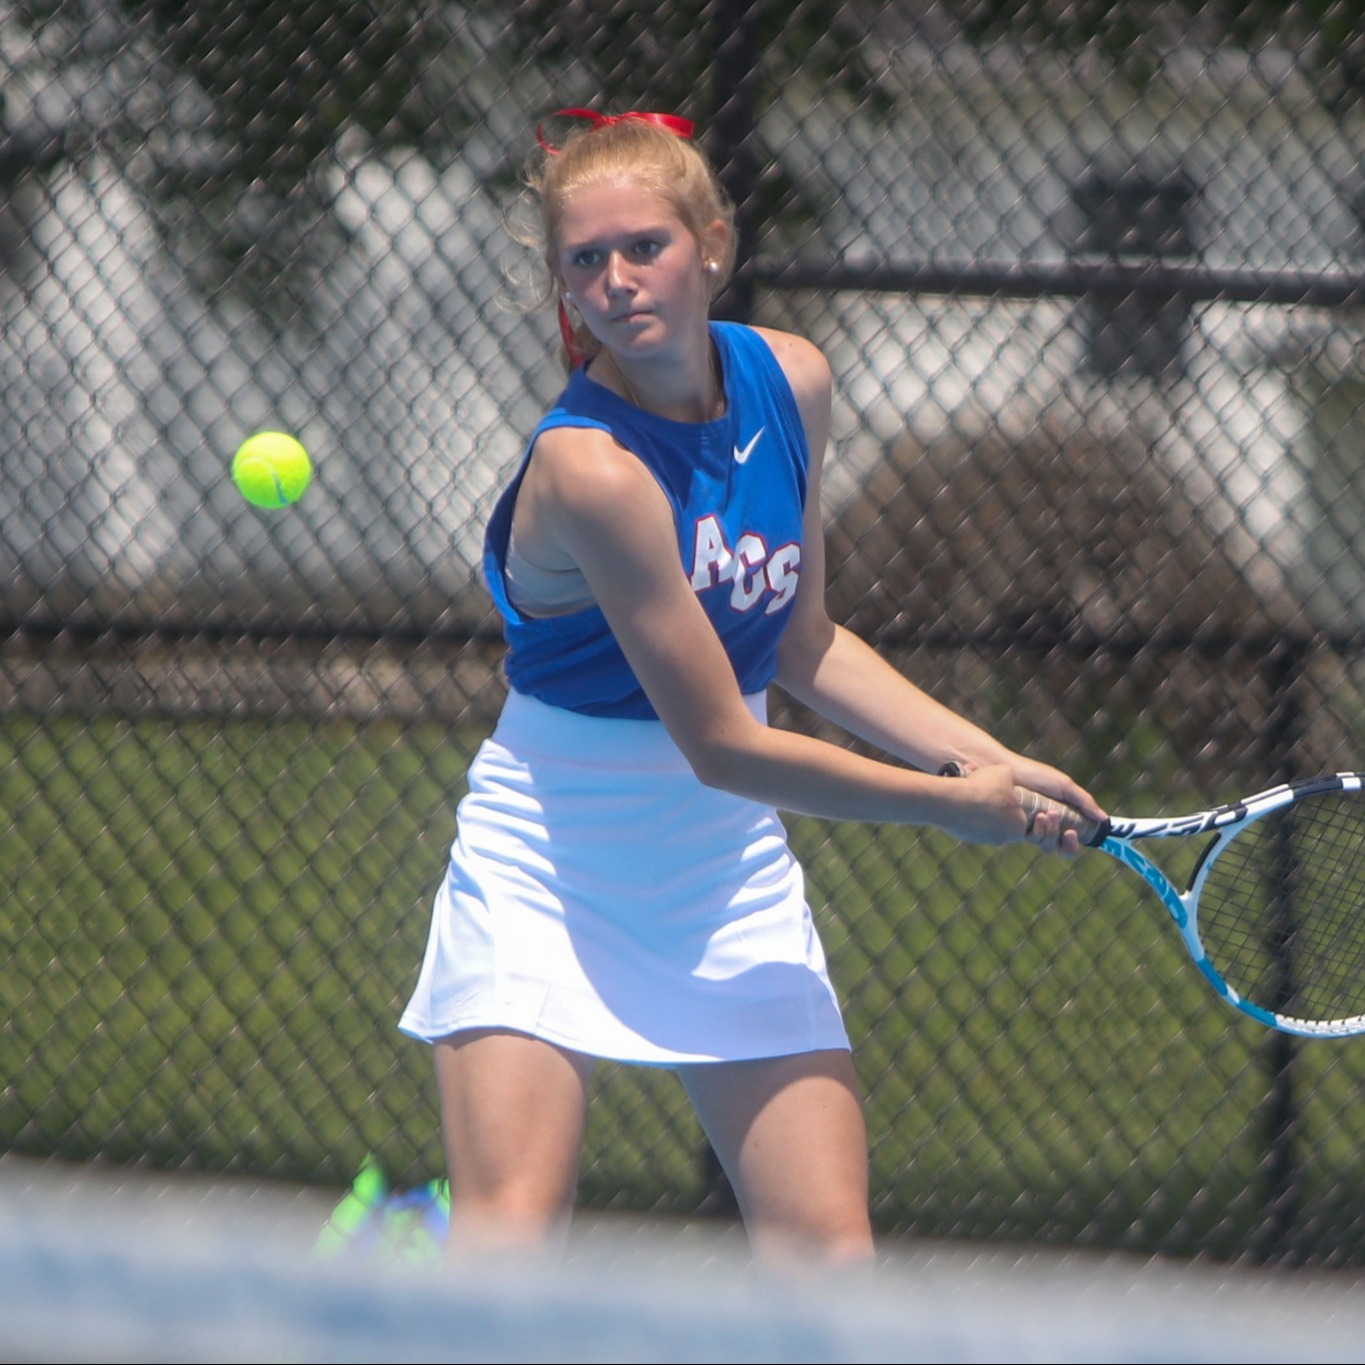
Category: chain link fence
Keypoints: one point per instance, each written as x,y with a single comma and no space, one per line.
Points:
1089,277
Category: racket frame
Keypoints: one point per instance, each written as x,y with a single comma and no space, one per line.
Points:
1118,838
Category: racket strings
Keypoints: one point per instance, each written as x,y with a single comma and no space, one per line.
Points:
1281,911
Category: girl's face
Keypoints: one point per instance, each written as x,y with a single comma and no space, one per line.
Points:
632,268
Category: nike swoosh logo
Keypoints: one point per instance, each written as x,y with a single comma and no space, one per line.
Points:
742,455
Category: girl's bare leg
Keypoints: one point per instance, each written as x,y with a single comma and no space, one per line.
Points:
789,1132
512,1122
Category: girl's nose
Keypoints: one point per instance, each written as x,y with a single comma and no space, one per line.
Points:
616,273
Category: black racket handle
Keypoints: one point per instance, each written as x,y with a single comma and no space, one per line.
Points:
1035,804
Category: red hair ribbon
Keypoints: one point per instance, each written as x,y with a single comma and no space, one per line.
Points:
577,355
682,127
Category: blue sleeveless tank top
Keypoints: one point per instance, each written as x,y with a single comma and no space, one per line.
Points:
737,486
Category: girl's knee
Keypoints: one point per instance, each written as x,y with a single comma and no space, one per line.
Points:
845,1241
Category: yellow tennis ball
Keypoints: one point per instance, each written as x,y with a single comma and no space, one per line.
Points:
271,469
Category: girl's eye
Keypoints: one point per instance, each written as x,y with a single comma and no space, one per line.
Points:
591,258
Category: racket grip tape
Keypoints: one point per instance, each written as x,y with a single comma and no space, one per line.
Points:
1035,804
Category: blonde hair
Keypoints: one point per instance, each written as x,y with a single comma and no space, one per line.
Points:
657,160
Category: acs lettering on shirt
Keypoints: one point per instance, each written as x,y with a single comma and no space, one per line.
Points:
748,567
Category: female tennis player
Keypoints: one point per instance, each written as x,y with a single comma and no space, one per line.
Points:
620,885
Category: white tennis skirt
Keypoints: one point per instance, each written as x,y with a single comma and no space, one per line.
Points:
600,897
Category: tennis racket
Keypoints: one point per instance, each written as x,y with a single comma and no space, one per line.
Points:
1274,911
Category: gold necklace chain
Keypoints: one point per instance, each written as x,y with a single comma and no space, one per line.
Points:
717,391
626,384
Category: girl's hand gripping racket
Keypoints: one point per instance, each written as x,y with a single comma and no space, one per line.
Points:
1274,915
